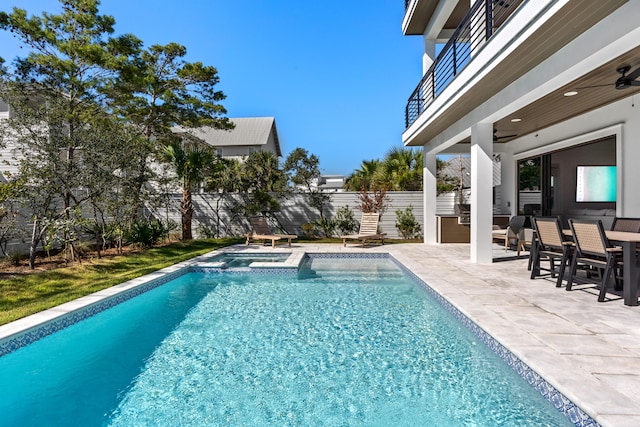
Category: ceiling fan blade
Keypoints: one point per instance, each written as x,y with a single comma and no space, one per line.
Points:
634,83
634,75
503,136
594,86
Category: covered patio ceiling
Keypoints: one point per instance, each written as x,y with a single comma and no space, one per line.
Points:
594,90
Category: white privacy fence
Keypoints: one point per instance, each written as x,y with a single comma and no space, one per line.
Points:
215,214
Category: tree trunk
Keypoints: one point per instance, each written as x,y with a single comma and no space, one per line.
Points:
32,246
186,209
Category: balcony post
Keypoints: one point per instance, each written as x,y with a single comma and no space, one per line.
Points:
429,55
488,18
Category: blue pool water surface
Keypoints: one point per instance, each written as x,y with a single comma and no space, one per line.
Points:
344,343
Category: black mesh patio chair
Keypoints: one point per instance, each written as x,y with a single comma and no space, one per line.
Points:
550,246
594,250
514,231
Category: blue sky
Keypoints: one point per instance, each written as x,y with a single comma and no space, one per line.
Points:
335,74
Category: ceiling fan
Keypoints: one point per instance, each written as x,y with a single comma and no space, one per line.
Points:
497,138
624,81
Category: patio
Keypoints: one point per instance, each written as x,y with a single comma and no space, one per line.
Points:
589,351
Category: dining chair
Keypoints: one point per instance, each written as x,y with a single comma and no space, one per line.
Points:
626,224
593,249
552,246
530,243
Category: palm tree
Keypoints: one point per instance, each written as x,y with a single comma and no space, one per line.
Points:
262,172
363,178
402,169
446,183
262,182
190,162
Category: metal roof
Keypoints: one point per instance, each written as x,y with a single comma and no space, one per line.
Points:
248,131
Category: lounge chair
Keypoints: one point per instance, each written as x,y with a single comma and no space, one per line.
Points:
368,230
260,231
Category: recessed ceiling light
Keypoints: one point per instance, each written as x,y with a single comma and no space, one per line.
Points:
516,120
571,93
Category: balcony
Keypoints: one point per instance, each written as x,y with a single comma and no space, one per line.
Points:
478,26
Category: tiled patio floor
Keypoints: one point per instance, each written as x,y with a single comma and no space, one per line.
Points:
587,350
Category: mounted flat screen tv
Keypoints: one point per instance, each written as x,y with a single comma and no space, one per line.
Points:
596,184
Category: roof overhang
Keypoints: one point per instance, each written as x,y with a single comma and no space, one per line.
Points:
437,15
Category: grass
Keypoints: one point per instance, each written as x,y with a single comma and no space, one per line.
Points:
27,294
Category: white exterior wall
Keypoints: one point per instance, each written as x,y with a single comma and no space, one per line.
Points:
235,151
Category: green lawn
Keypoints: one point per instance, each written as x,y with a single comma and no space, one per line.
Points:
28,294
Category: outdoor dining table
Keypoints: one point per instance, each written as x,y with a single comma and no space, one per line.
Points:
630,269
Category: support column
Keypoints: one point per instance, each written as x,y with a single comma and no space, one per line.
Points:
429,194
508,181
481,192
429,55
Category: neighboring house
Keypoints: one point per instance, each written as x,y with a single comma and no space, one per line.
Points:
331,183
548,81
250,134
4,110
7,148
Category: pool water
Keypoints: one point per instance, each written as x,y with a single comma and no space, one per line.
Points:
234,260
346,342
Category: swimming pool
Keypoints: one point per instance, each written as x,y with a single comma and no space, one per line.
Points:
348,341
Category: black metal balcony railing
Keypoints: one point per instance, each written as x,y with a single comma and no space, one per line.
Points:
477,27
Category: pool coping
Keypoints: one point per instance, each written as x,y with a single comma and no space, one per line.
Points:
24,331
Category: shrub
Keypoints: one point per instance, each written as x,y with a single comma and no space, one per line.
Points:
373,201
14,258
407,224
345,221
327,225
309,229
146,233
207,232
